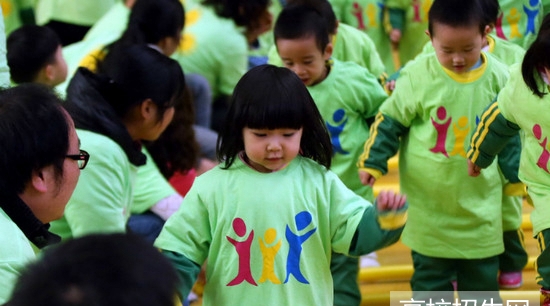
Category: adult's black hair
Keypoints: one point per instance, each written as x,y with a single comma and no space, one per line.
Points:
242,12
34,133
150,21
137,73
29,49
98,270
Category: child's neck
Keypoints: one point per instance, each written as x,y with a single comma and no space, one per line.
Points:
328,66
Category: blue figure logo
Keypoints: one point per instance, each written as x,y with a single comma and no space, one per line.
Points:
531,16
303,219
336,130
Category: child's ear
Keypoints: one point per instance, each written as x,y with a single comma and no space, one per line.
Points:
487,30
328,51
429,34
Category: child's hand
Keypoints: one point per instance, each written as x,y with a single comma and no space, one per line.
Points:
389,200
366,178
473,169
395,36
390,86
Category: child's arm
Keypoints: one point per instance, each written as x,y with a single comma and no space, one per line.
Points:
187,270
381,224
381,146
491,136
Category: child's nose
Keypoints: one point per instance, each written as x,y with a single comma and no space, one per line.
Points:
273,145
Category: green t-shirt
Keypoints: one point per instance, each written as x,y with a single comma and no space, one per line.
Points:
519,21
267,236
213,47
150,186
103,196
507,53
372,17
429,118
346,98
15,253
81,12
531,116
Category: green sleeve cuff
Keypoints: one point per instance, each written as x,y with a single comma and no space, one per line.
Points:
187,271
515,189
391,220
370,236
397,18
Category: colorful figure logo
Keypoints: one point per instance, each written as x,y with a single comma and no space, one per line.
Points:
335,130
441,126
243,250
303,219
545,155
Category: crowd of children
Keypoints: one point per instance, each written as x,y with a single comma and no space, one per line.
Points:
243,138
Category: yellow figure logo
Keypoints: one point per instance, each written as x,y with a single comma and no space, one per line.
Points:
370,11
6,7
188,40
269,250
513,19
426,5
461,131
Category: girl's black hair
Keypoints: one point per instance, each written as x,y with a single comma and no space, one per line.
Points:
269,97
457,13
536,59
301,20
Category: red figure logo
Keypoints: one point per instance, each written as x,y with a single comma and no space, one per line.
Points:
358,13
243,250
545,155
416,8
498,27
441,129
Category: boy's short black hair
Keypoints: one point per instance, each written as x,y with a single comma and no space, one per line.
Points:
324,8
302,21
491,8
457,13
29,49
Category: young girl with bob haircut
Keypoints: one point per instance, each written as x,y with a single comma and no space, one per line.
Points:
269,217
522,105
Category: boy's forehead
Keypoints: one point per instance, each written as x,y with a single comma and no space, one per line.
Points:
300,45
455,34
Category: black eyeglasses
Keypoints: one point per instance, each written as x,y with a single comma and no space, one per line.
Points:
82,158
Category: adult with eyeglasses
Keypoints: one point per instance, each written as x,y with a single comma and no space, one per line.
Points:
128,100
40,165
